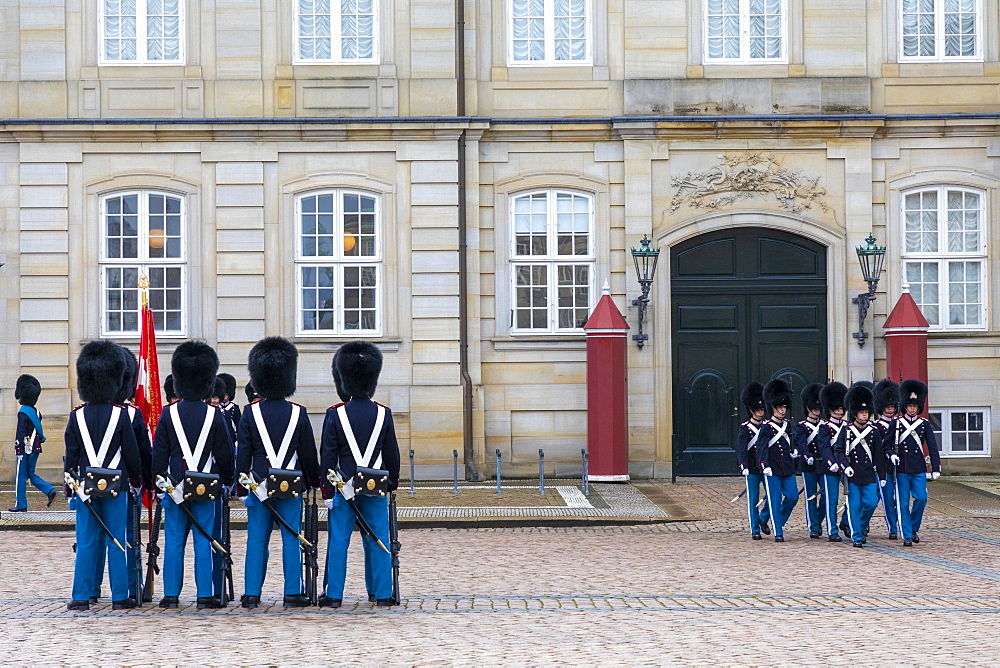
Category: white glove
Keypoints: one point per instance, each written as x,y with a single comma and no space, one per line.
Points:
136,491
328,503
834,467
795,454
848,471
809,461
894,459
881,483
767,471
745,471
935,475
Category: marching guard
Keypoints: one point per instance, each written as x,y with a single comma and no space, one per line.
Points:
747,439
99,441
810,436
28,444
192,457
859,453
887,408
360,458
777,456
277,462
832,397
914,453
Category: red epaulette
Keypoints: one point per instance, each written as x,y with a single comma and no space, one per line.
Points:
295,404
382,405
336,405
173,402
78,407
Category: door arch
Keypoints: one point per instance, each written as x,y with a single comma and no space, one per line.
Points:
747,303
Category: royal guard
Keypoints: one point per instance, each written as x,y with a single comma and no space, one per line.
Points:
777,455
168,389
277,463
360,461
887,409
28,444
832,397
810,439
228,403
747,438
192,460
914,452
101,464
859,453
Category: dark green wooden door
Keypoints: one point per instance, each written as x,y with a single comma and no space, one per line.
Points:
746,304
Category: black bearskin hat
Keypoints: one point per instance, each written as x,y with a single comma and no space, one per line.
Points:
886,394
251,395
27,389
913,392
859,398
230,384
168,388
777,393
193,367
810,398
273,363
338,383
359,364
752,397
220,388
832,396
99,370
127,390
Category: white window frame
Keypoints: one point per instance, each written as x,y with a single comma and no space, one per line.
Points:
939,37
142,17
945,438
339,261
744,58
336,45
551,260
143,263
550,45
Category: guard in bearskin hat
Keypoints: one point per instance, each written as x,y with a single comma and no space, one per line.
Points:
192,460
913,451
228,402
809,440
28,444
99,443
747,439
777,455
887,408
859,453
278,463
359,448
832,396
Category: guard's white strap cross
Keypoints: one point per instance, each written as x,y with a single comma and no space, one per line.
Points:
837,428
756,435
780,434
352,442
858,438
191,459
908,429
97,457
277,459
813,430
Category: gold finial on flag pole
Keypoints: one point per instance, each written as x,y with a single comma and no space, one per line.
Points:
144,289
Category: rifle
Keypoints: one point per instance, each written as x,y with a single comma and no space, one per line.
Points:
310,562
227,594
136,515
394,546
153,551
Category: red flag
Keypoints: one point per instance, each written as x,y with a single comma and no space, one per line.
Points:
147,391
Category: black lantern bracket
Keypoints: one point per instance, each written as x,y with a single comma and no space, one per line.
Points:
645,258
871,258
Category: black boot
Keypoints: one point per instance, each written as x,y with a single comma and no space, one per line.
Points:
210,602
95,599
78,605
893,536
327,602
779,539
371,598
916,539
755,536
127,604
296,601
249,602
168,602
814,534
765,529
52,497
384,602
907,542
835,538
859,543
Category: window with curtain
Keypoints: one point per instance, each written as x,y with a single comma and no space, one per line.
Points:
142,32
338,263
745,31
940,30
552,261
143,233
944,255
335,31
549,32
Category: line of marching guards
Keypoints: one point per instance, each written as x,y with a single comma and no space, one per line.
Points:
868,443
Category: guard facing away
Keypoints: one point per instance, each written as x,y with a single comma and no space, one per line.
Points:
859,453
887,409
810,437
914,452
192,458
832,397
277,462
777,456
28,444
360,460
747,440
101,463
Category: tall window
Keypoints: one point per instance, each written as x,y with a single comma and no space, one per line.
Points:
964,432
335,31
142,233
549,32
935,30
552,261
747,31
142,32
944,255
339,263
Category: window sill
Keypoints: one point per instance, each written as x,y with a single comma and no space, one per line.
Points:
556,342
980,455
331,344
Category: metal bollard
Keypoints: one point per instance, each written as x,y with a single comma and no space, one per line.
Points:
413,492
499,490
585,456
454,462
541,471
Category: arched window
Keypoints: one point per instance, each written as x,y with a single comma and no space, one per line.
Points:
338,263
552,261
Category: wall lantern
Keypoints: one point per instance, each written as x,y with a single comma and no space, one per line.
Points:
645,259
871,258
